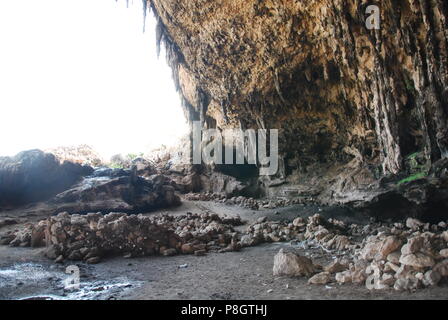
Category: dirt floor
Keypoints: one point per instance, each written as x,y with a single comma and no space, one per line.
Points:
26,274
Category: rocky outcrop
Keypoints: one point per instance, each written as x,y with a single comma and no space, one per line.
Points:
117,190
33,176
352,104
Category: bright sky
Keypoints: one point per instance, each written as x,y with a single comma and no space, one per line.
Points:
83,72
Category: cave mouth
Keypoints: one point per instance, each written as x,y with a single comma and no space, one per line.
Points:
84,73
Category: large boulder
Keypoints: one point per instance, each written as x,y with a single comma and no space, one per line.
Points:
117,190
33,175
292,265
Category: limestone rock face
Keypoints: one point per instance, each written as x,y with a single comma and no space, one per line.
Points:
352,104
33,175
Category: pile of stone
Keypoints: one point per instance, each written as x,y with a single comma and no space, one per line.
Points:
403,256
204,196
93,236
242,201
329,234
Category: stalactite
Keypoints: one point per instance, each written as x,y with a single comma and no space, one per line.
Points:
145,10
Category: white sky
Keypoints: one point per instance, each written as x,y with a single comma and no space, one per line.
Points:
83,72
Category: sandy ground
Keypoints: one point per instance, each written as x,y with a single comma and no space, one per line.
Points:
25,273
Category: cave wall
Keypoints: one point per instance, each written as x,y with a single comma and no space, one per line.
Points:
339,92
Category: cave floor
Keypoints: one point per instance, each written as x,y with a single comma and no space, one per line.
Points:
247,274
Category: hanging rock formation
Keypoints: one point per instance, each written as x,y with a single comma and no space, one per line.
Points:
354,106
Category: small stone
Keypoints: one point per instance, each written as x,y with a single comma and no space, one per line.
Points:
344,277
359,273
418,260
431,278
93,260
200,252
404,272
413,245
389,266
59,259
442,268
414,224
370,250
444,236
394,257
341,242
52,252
387,280
320,278
246,241
335,267
187,248
169,252
75,255
299,222
406,284
389,245
444,253
261,220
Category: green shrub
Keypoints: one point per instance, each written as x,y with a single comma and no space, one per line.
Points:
413,177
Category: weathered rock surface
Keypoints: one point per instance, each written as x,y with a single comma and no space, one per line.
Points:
320,278
33,176
292,265
117,190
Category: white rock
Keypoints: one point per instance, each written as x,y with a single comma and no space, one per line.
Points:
370,250
291,264
431,278
389,266
299,222
404,272
418,260
320,278
394,257
387,280
389,245
406,284
344,277
246,241
444,253
414,224
335,267
442,268
413,245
